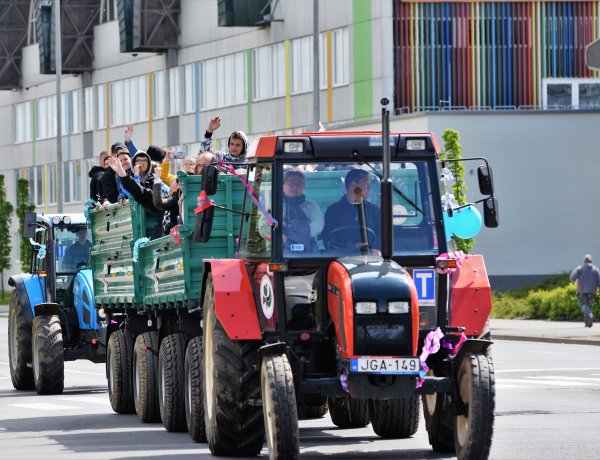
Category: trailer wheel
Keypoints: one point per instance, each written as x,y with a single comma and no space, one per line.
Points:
171,382
347,412
438,421
48,355
395,418
19,346
233,416
194,393
118,364
476,385
279,408
145,377
311,412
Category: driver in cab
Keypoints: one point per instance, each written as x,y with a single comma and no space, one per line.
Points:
353,219
78,252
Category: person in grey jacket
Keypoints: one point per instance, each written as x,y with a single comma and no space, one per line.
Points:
587,278
237,145
302,218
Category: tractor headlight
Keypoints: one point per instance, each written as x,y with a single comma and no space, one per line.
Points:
398,307
56,220
365,308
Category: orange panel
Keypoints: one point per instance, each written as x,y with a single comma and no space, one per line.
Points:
234,301
340,305
471,296
266,147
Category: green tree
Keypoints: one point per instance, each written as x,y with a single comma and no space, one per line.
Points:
6,210
452,149
24,205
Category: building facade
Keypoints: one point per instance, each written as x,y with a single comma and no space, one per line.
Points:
510,76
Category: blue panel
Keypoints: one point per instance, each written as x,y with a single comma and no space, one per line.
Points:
83,294
35,286
425,283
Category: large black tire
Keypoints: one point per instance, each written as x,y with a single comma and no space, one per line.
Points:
194,390
171,386
395,418
48,355
234,420
347,412
118,364
439,421
476,385
19,346
306,412
145,377
279,408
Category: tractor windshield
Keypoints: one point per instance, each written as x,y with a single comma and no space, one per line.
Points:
334,209
72,248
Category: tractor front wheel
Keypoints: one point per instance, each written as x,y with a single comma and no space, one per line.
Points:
476,386
347,412
48,355
279,408
395,418
438,421
19,346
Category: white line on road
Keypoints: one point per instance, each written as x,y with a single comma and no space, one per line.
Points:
79,372
44,406
560,369
558,383
85,399
563,377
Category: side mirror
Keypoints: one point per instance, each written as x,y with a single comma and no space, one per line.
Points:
209,179
29,225
490,212
486,182
204,222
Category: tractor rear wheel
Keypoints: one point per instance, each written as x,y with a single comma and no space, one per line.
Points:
171,386
118,365
279,408
194,393
145,377
439,421
19,346
48,355
347,412
395,418
233,416
310,412
476,386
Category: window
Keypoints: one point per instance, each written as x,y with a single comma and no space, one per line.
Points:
51,184
72,180
189,88
269,71
340,57
571,93
101,106
158,95
46,117
88,119
39,185
174,93
70,112
223,81
301,65
22,122
129,100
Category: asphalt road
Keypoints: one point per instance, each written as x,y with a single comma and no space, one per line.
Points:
548,407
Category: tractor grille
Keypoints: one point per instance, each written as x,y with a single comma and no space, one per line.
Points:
383,334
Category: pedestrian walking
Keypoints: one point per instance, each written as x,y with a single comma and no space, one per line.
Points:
587,278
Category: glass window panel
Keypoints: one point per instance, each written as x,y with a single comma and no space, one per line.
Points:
210,79
88,121
41,118
189,94
589,95
52,184
559,94
77,180
278,70
39,185
158,83
30,176
174,94
323,60
101,106
240,78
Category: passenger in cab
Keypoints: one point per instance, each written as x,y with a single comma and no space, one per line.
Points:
302,218
353,219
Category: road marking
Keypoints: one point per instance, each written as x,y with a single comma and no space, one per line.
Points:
85,399
563,377
561,369
103,374
558,383
44,406
548,352
509,386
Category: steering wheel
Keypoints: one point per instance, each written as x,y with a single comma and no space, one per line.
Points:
338,240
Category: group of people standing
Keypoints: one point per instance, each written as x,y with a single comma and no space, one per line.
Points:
145,175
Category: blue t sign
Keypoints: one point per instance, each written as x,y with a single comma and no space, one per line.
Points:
425,283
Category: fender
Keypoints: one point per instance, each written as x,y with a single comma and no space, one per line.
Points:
47,309
234,300
472,346
30,290
471,302
83,293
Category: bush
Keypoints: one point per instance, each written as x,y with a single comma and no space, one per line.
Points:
554,299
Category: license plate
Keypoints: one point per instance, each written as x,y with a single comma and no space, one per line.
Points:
406,366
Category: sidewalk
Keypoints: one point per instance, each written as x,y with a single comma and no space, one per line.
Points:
523,329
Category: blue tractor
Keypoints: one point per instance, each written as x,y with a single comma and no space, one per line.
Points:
52,318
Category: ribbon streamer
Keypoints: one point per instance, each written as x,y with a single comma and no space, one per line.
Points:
175,234
459,256
344,382
136,248
430,346
42,251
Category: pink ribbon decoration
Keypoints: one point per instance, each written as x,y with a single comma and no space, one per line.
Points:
459,256
175,234
344,382
259,204
463,339
431,345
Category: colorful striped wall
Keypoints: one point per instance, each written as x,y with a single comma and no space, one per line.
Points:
487,54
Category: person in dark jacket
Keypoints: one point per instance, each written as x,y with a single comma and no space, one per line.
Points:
124,176
95,175
587,278
170,204
142,169
112,186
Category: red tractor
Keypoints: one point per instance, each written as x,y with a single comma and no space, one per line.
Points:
345,295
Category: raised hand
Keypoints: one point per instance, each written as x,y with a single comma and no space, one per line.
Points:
116,166
214,124
128,133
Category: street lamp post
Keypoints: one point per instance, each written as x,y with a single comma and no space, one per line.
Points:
316,73
58,65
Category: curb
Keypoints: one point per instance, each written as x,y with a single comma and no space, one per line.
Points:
521,338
